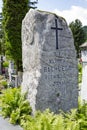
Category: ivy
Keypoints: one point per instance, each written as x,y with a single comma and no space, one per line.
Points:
13,14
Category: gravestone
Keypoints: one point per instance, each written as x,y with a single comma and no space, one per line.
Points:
14,80
20,78
49,62
84,71
11,70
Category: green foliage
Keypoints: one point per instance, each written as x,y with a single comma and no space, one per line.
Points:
80,68
1,32
13,14
85,30
15,105
78,34
76,119
82,115
17,108
4,83
49,121
79,73
5,64
2,40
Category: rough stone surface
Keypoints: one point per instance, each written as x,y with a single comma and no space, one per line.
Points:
50,71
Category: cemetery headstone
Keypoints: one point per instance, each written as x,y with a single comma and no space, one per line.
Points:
11,70
84,71
50,73
14,80
19,78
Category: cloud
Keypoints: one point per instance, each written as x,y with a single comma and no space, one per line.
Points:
75,12
0,6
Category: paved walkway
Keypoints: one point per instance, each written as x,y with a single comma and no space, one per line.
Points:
5,125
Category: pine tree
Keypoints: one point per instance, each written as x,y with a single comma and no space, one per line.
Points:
85,30
0,25
78,34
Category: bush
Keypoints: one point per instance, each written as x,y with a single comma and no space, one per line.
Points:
4,83
50,121
17,108
82,115
76,119
79,73
15,105
5,64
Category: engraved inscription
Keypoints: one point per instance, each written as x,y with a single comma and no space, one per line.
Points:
57,73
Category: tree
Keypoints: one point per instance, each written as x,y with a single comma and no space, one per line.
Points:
13,14
85,30
78,34
0,25
0,31
2,40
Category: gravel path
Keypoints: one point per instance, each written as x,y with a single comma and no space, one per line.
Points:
5,125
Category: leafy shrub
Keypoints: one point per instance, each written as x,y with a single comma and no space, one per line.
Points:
82,115
4,83
49,121
15,105
79,73
1,88
76,119
5,64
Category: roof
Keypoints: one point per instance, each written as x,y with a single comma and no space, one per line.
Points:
84,45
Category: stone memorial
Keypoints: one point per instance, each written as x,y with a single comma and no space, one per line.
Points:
11,70
50,74
20,78
14,80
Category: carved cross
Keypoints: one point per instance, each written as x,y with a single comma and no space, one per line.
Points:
56,29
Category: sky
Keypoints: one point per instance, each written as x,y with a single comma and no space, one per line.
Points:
69,9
